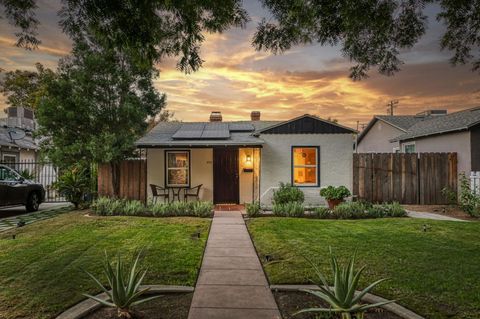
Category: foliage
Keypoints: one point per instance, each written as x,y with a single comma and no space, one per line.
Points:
26,88
146,32
253,209
469,202
289,209
341,297
125,281
372,33
360,210
287,193
106,206
322,212
27,174
74,184
335,193
450,195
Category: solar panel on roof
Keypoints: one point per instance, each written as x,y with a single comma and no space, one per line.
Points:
189,131
214,134
241,127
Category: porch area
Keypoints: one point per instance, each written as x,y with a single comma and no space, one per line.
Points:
225,175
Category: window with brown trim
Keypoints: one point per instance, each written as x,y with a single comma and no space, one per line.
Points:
305,166
177,168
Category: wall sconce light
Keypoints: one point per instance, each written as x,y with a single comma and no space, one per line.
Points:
249,158
248,164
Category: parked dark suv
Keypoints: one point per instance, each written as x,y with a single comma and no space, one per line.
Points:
15,190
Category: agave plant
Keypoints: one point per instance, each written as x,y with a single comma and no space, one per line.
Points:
341,297
125,286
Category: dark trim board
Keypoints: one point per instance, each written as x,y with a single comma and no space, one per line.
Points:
307,124
318,165
198,146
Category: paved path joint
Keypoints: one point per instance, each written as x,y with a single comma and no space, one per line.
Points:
231,283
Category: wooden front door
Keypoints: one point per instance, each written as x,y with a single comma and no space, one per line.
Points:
225,176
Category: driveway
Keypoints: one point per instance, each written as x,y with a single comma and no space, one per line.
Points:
20,210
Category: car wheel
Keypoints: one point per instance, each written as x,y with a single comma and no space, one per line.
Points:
33,202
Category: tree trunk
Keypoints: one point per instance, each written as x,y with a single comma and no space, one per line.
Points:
115,169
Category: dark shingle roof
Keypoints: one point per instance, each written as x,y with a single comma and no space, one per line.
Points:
457,121
25,143
161,135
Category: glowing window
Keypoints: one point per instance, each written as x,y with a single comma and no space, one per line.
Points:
305,166
178,168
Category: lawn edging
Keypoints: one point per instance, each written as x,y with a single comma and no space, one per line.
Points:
370,298
87,306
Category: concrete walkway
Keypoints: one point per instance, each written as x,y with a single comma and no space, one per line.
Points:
231,283
425,215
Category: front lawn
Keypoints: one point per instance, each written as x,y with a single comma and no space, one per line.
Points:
41,269
435,273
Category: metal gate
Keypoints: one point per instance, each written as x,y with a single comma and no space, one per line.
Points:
44,173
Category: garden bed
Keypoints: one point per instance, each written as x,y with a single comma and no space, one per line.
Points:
167,306
289,302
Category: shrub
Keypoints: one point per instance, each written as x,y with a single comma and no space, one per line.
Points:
450,195
323,212
350,210
202,209
335,193
469,202
291,209
341,297
394,210
133,208
253,209
125,281
102,206
287,193
74,184
27,174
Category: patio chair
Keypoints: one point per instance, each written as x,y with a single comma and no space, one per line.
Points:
158,191
192,192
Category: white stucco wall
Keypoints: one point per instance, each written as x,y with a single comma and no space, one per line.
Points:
377,139
336,157
245,178
201,167
453,142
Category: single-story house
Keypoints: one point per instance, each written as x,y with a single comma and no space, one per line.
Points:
244,161
378,135
455,132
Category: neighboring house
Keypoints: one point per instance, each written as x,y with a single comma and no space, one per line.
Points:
378,134
16,136
244,161
456,132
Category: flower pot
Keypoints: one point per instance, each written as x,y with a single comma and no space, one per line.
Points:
332,203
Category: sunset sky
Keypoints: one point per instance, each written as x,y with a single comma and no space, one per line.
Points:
236,79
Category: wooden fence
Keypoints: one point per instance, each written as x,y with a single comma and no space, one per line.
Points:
133,180
405,178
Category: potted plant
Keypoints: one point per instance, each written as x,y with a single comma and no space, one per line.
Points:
334,195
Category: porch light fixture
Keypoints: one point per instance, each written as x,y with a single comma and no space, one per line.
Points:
249,158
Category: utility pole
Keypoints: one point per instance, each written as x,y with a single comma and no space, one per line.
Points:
391,106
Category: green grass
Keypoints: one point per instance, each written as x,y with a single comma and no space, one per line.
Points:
435,273
41,270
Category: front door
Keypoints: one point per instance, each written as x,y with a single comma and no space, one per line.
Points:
225,176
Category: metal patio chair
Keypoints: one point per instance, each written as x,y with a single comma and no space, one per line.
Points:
159,191
192,192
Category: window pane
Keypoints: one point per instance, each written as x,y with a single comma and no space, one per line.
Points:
304,156
179,159
178,177
410,148
304,175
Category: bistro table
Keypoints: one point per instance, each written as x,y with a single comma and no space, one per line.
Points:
176,192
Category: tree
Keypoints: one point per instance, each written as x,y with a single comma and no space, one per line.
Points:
96,108
163,116
146,31
25,88
371,33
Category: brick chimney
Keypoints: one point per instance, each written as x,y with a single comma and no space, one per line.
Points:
215,116
255,116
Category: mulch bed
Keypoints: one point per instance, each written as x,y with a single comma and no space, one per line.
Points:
443,210
290,302
168,306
